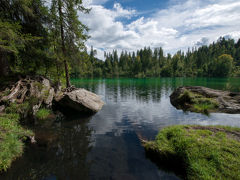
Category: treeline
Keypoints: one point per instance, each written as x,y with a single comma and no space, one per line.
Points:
48,39
42,39
219,59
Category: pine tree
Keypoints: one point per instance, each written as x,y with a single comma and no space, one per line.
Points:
71,32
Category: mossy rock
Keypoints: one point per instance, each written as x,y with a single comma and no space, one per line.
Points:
205,100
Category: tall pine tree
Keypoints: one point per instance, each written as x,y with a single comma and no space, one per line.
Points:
71,32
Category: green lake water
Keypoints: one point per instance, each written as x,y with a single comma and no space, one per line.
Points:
106,145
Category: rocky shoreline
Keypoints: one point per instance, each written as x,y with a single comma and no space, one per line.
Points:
44,94
37,102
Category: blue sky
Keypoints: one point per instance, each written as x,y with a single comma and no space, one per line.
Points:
172,24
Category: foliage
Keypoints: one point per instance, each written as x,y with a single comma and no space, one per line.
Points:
18,108
43,113
68,33
223,65
204,152
11,136
219,59
23,36
36,39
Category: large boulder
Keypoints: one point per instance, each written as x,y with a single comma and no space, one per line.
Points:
29,94
79,100
202,99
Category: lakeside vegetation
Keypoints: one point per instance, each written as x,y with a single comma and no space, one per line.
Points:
11,139
201,152
35,39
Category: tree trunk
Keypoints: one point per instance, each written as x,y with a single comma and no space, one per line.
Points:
63,44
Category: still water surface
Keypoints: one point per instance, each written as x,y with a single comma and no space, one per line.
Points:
107,145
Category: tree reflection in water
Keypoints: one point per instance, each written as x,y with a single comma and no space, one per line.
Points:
61,153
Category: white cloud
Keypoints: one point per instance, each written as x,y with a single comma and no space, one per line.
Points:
93,2
181,25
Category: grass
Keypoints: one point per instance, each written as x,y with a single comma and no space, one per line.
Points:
11,136
201,152
22,109
43,113
197,103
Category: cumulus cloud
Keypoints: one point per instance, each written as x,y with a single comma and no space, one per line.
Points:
179,26
202,42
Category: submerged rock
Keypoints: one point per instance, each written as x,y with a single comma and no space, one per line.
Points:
79,100
202,99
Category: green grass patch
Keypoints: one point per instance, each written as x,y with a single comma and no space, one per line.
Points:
197,103
43,113
11,136
18,108
201,152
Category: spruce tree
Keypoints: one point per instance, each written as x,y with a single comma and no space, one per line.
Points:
71,32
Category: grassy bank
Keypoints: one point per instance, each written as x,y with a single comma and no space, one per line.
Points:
11,139
198,152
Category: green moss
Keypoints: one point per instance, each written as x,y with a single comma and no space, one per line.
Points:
210,152
11,136
197,103
43,113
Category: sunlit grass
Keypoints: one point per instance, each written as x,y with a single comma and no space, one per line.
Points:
11,136
202,152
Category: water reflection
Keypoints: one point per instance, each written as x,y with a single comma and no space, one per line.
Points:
106,145
150,90
61,153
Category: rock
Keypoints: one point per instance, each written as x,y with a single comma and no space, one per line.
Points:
227,102
31,93
79,100
32,139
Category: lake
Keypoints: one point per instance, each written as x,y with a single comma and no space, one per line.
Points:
107,145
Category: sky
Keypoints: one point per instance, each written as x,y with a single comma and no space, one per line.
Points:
171,24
